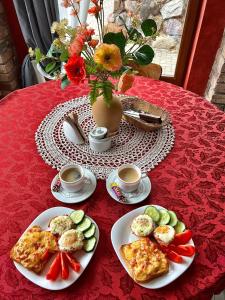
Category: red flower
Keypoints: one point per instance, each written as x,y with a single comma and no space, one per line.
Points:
75,69
95,2
93,43
94,10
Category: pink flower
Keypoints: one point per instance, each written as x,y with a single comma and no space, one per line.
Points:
76,47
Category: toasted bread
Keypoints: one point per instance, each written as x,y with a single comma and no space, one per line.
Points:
144,260
30,250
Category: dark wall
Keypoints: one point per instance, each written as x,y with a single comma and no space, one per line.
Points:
17,37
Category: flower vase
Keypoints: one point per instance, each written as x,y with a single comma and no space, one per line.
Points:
108,116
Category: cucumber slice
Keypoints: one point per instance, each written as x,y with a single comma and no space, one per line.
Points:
89,244
152,212
90,232
173,218
77,216
164,217
180,227
84,225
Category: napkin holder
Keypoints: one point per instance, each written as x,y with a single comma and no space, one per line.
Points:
72,129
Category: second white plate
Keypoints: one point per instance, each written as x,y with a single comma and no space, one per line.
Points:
121,234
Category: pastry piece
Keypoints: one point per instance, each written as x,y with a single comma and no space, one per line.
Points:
60,224
71,240
164,234
144,260
33,248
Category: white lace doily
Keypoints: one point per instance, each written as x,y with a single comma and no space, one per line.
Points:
131,145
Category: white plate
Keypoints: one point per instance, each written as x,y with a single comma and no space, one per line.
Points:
141,194
84,258
77,197
121,234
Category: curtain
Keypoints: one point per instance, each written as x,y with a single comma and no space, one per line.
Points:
35,18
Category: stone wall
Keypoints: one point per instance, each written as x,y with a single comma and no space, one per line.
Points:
168,14
9,79
215,90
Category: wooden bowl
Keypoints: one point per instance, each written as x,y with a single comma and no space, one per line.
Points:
137,104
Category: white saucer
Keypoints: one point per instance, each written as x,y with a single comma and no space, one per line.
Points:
77,197
141,194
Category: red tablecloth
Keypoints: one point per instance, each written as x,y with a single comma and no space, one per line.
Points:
189,181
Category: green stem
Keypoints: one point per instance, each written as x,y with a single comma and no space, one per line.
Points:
100,36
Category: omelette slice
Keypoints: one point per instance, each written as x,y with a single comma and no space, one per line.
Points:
31,250
144,260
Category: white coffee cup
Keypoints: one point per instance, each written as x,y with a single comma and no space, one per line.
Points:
129,177
72,178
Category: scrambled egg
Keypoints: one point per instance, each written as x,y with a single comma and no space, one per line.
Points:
144,260
30,250
71,240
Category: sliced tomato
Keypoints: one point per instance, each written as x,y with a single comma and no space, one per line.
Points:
65,267
74,264
184,250
54,268
174,257
182,238
46,255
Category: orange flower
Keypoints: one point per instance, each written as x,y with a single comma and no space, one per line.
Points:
95,2
74,12
93,43
125,82
66,3
108,56
76,47
94,10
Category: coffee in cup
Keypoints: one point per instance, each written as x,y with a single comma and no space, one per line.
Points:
129,177
72,178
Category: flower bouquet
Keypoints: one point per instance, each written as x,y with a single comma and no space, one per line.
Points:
77,53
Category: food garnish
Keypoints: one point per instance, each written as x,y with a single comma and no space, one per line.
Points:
144,260
64,266
182,238
73,263
54,269
89,244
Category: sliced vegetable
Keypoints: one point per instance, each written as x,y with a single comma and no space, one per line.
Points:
153,212
77,216
64,268
173,218
84,225
54,268
89,244
164,217
184,250
182,238
90,232
46,255
180,227
75,265
174,257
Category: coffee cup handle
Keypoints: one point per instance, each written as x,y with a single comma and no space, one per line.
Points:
144,175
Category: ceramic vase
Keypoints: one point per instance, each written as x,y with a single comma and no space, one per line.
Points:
108,116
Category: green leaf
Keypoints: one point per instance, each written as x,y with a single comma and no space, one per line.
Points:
38,55
94,92
117,39
50,67
64,56
144,55
134,34
149,27
65,82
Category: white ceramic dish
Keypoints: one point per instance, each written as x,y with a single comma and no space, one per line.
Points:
121,234
135,197
84,258
76,197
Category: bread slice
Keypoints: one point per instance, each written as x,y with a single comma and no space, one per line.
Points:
144,260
